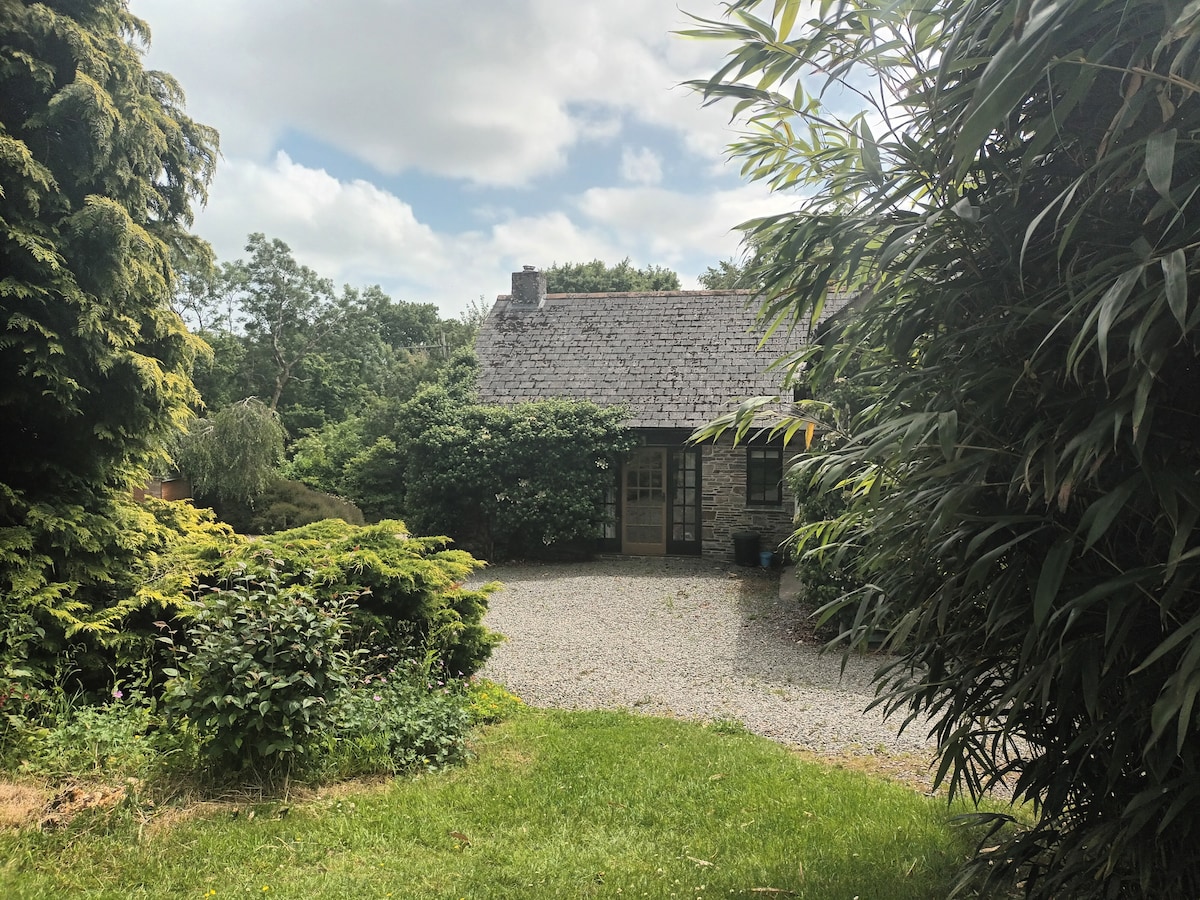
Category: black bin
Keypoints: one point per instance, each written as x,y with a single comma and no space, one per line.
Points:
745,548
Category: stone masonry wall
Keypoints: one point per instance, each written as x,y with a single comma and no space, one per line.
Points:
724,509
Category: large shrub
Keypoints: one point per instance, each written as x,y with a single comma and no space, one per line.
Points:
262,674
102,627
410,597
510,480
283,504
1020,218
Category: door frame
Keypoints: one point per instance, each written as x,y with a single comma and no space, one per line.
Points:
680,460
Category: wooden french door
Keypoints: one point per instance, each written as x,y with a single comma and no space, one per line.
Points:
644,502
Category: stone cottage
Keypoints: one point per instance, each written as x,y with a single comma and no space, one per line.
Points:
675,360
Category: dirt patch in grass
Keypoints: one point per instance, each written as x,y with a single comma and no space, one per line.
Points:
21,804
73,800
260,804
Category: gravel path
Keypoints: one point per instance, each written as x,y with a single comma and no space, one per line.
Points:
682,637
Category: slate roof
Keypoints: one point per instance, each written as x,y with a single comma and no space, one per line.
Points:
674,359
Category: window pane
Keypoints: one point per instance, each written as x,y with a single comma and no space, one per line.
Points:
764,476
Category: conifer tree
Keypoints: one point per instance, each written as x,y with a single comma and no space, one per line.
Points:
99,167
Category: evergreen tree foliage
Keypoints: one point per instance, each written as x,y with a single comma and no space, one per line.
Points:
1017,210
98,169
597,277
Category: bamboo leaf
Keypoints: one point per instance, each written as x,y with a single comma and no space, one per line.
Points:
1101,514
1110,307
1186,705
788,18
1183,531
1009,75
1174,266
948,433
1160,161
1174,640
870,152
1050,579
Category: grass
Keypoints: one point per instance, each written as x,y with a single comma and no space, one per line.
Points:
556,805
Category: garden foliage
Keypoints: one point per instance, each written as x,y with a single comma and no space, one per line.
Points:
283,504
408,591
400,720
262,674
235,454
1016,210
506,481
261,647
597,277
156,553
315,355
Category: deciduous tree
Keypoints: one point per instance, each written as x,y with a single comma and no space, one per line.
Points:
235,454
599,277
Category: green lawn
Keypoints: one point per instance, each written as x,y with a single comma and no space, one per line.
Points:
555,805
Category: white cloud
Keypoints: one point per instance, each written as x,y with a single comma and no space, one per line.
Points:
494,93
679,228
356,233
338,225
642,166
502,94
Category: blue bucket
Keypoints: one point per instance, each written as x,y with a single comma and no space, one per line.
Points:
766,559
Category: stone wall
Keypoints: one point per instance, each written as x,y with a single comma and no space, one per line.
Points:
723,504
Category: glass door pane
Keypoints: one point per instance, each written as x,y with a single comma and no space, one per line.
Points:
644,495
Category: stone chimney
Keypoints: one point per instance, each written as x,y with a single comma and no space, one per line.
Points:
528,287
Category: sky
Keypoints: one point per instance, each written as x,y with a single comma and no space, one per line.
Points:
435,146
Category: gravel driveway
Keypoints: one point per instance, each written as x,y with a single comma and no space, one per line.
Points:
682,637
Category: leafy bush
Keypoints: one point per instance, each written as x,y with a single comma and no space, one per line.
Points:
92,740
1021,236
507,480
824,577
262,674
410,597
58,736
78,636
398,721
